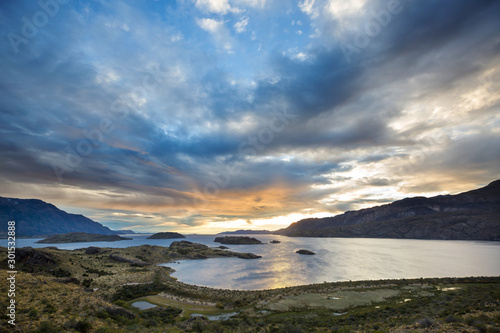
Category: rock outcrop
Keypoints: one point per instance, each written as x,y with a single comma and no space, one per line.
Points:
132,262
200,251
248,256
92,250
306,252
33,257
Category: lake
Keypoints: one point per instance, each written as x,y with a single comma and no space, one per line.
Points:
336,259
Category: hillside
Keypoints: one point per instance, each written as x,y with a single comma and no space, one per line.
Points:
94,290
473,215
36,217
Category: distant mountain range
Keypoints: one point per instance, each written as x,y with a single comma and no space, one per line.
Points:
246,232
123,232
35,217
473,215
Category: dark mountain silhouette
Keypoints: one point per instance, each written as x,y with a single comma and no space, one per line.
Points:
473,215
36,217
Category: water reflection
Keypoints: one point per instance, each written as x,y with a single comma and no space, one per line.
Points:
143,305
341,259
336,259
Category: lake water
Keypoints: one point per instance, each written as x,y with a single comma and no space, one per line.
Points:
225,316
143,305
336,259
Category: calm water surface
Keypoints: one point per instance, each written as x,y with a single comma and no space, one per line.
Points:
336,259
143,305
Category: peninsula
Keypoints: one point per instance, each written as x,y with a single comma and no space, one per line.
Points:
81,237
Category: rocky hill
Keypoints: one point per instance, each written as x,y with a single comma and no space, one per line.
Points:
36,217
166,235
473,215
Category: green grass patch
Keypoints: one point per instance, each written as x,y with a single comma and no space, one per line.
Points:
188,308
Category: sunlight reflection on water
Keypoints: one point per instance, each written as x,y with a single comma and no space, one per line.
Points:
341,259
336,259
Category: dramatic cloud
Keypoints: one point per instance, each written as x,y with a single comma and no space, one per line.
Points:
210,115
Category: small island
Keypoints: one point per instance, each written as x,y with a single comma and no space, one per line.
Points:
166,235
306,252
81,237
237,240
274,241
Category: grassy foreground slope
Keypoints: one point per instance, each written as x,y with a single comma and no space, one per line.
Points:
91,290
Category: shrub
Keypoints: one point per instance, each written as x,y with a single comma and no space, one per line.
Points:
121,303
60,273
83,326
103,314
289,328
87,282
33,313
49,308
47,327
451,319
183,251
425,322
163,314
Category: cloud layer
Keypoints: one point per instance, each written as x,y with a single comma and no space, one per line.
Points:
217,115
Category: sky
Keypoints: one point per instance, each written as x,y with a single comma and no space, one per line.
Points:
201,116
